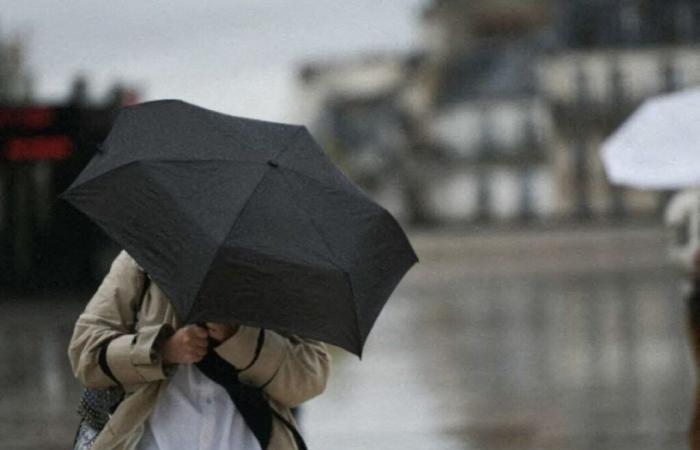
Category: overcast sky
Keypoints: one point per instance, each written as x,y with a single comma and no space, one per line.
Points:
236,56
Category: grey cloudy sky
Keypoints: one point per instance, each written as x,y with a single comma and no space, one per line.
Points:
236,56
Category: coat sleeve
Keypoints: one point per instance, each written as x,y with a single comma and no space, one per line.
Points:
103,350
290,370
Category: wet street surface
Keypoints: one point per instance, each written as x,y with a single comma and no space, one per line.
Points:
497,341
545,340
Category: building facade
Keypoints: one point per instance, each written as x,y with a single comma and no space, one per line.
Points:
352,108
501,115
477,120
611,56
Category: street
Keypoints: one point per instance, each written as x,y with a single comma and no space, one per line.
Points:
500,340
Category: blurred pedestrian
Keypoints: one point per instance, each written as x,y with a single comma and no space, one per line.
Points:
682,217
694,335
205,386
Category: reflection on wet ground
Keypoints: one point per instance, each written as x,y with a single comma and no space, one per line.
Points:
502,341
38,394
479,352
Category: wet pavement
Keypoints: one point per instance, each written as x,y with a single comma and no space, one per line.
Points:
502,341
497,341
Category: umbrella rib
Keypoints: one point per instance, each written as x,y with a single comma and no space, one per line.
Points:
243,208
325,243
292,140
318,231
158,160
300,173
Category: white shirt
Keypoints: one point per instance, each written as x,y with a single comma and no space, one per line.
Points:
195,413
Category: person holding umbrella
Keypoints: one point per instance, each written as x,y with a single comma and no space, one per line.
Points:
258,250
214,386
656,148
693,299
682,217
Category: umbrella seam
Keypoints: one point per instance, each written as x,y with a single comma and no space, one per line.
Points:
363,195
207,120
165,160
262,163
323,239
119,238
242,211
293,140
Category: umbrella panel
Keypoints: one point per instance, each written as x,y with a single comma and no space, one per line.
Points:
283,271
172,229
288,297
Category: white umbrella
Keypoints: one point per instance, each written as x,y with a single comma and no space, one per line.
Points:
658,147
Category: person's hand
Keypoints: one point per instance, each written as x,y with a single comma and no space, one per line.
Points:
188,345
221,331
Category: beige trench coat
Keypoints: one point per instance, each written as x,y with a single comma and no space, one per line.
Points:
292,369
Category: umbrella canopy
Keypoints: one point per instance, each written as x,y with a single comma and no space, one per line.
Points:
244,220
658,147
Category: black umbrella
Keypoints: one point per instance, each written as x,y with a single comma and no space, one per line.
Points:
244,220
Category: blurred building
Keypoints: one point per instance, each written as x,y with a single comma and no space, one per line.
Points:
15,88
43,146
15,78
611,55
353,110
453,134
476,118
500,116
